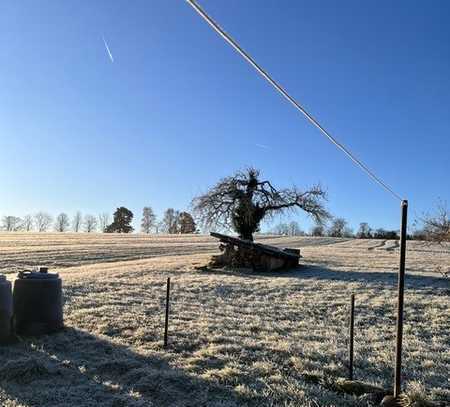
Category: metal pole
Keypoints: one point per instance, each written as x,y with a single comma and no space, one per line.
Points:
166,324
351,334
401,289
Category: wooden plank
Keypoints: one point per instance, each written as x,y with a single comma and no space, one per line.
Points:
262,248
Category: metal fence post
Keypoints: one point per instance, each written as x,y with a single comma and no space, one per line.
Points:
401,290
351,336
166,323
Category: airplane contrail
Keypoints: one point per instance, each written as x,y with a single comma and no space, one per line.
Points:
107,49
263,146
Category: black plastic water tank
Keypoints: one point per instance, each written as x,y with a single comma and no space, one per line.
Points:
38,308
6,310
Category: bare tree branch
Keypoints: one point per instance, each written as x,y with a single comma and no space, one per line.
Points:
62,222
42,221
437,225
241,201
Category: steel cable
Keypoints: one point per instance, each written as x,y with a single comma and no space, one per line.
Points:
297,105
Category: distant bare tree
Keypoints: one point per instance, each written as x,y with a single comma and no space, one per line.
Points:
288,229
42,221
364,231
77,221
148,221
294,229
160,227
27,223
103,221
170,221
243,200
281,229
318,231
348,232
90,223
385,234
337,228
11,223
437,225
62,222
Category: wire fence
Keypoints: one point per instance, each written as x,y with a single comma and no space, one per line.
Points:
312,328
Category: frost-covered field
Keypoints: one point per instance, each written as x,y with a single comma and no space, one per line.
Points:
236,338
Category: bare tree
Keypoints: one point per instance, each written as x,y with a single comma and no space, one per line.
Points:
148,221
103,221
337,228
288,229
348,232
77,221
437,225
385,234
62,222
318,231
160,227
27,223
242,201
90,223
170,221
42,221
11,223
281,229
364,231
294,229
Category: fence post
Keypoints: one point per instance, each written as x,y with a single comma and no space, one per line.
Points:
166,323
351,336
401,290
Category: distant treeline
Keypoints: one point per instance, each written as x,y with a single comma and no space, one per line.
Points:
337,228
173,222
434,227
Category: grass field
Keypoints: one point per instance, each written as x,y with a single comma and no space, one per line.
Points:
236,338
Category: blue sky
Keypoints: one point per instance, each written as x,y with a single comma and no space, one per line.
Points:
178,108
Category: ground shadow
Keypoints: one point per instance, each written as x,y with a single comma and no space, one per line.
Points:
308,272
75,368
376,277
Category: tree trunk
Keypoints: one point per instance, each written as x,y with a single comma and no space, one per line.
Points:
246,235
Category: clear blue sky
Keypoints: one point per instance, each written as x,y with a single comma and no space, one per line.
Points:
178,109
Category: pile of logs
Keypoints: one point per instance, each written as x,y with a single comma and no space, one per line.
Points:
239,253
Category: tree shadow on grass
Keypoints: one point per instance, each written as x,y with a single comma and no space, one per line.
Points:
314,272
75,368
373,277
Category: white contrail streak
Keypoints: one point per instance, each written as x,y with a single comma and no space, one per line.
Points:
262,146
107,49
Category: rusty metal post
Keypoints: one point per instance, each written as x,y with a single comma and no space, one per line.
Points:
351,336
401,289
166,323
